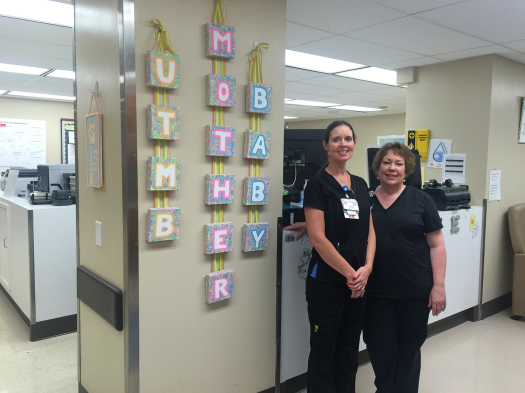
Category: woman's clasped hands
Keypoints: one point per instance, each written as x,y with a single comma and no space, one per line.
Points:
357,282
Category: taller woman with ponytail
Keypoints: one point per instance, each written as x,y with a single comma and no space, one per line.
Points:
337,211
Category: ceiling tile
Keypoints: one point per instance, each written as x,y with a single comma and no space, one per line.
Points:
55,82
417,35
31,60
297,34
339,82
422,61
516,45
413,6
494,20
299,87
16,78
298,95
339,16
295,74
18,45
391,91
357,51
464,54
35,31
369,97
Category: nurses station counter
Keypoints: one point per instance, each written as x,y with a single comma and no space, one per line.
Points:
462,232
38,264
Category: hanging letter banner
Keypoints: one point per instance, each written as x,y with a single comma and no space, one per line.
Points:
254,236
162,69
218,190
94,146
163,122
256,190
220,40
258,98
163,174
220,90
163,224
220,141
218,237
257,144
219,286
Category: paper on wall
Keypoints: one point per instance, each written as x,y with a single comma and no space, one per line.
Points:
10,186
495,185
437,150
454,167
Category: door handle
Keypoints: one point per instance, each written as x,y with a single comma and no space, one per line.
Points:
5,242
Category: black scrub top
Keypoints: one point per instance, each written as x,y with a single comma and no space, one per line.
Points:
402,267
324,193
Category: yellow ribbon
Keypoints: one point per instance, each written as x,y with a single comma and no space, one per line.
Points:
218,15
256,74
162,35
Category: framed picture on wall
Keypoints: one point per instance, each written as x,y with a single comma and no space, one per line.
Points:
521,135
67,130
94,149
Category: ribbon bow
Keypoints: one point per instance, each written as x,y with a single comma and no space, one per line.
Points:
256,75
162,37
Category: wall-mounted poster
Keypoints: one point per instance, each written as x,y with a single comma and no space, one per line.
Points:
381,140
22,143
94,149
67,130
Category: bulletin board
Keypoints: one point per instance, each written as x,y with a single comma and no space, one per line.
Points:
22,143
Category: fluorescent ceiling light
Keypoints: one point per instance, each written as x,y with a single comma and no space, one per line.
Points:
62,74
2,91
373,74
309,103
39,11
38,95
317,63
355,108
287,99
289,117
22,69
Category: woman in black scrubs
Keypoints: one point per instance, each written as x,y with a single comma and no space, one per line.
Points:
409,273
337,211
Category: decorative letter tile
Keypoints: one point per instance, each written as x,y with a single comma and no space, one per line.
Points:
220,141
163,174
220,40
163,224
254,236
162,70
219,190
219,286
257,144
258,98
220,90
218,237
163,122
256,190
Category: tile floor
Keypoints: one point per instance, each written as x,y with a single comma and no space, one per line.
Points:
481,357
46,366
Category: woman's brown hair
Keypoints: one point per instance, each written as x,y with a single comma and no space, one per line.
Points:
398,149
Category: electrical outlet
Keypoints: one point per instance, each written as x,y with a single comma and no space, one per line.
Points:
98,233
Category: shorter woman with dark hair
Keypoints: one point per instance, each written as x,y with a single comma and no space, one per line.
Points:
409,273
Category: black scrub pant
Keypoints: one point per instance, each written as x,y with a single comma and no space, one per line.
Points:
394,331
336,321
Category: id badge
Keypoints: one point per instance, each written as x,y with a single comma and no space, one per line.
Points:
350,208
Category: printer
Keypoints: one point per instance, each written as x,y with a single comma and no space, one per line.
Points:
54,177
25,177
447,196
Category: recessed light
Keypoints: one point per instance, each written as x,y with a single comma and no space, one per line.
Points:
309,103
39,10
373,74
318,63
38,95
17,69
289,117
62,74
355,108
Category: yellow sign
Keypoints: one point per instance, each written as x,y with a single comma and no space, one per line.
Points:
419,139
472,221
